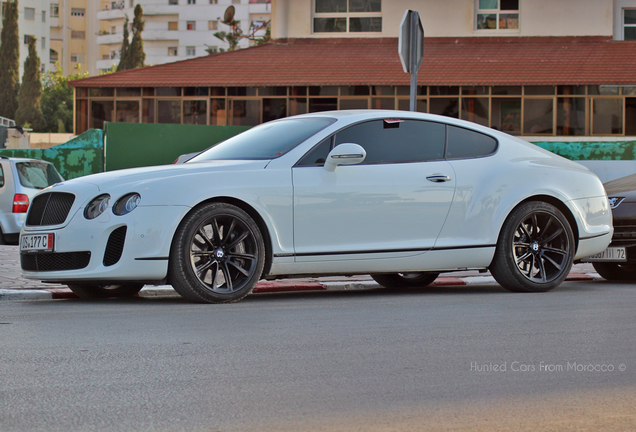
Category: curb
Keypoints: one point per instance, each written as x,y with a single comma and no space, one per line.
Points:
269,287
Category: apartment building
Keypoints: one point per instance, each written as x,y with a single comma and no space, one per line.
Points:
176,29
33,23
537,68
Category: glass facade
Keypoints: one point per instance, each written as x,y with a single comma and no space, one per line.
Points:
564,110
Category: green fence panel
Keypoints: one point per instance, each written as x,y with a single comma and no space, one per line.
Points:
129,145
78,157
592,150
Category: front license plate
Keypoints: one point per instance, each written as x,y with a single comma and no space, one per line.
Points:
37,242
609,254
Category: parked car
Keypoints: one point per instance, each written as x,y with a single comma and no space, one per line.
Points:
20,180
618,261
399,195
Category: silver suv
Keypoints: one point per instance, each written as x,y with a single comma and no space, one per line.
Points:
20,180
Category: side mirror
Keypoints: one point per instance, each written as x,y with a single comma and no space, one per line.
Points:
345,154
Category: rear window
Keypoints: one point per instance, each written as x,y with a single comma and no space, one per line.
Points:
37,175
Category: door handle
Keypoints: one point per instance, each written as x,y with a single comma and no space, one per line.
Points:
438,178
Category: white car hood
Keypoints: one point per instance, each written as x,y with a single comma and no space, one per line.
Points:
110,179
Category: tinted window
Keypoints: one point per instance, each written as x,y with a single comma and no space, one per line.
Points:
266,141
37,175
1,177
317,155
464,143
390,140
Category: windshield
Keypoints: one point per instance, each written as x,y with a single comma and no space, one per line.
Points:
266,141
37,175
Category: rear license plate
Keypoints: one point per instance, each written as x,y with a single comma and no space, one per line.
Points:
37,242
609,254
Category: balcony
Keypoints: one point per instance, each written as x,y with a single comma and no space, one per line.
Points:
107,15
109,39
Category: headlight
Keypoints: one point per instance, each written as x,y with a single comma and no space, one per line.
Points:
97,206
126,204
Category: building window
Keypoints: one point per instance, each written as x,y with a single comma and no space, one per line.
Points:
43,16
236,1
78,12
173,2
27,39
214,1
29,13
191,25
213,25
113,30
173,25
497,15
347,16
55,10
53,56
172,51
629,24
191,51
192,1
43,42
77,58
76,34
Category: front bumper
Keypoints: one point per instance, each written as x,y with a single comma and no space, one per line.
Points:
134,247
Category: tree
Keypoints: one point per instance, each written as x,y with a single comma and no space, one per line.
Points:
233,37
57,99
137,56
9,61
125,48
132,53
29,111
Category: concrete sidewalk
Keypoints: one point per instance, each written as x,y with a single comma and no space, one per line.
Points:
14,287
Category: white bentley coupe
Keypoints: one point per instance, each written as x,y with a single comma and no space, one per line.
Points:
399,195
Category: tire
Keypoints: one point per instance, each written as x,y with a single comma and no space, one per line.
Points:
94,291
615,271
217,255
535,249
405,280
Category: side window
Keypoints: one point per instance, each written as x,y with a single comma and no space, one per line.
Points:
317,155
464,143
396,140
1,177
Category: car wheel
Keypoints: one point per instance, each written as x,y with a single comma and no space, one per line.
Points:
217,255
535,249
615,271
405,280
94,291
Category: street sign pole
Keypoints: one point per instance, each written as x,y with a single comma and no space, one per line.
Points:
411,49
415,65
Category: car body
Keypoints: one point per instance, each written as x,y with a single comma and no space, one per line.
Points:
399,195
618,261
20,180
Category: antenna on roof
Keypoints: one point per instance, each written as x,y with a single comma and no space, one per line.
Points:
228,17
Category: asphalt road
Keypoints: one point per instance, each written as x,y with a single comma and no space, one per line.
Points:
462,359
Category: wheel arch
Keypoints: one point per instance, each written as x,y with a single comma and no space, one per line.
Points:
255,215
562,208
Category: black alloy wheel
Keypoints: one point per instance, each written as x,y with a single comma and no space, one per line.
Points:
615,271
218,254
535,249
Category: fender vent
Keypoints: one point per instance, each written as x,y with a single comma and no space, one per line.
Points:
115,246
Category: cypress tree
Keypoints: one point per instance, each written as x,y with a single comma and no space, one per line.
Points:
137,56
29,110
124,54
9,61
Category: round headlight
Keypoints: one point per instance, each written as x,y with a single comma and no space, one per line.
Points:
126,204
97,206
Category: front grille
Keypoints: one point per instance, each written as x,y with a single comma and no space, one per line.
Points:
624,231
55,261
115,246
50,209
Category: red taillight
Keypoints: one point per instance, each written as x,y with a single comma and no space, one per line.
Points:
20,203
